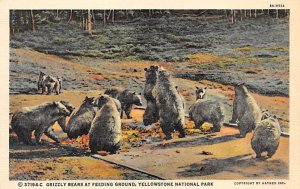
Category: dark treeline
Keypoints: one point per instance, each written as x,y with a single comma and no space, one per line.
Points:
23,20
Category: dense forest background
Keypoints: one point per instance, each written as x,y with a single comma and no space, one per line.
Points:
22,20
217,45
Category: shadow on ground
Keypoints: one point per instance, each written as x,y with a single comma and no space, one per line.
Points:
45,150
242,164
200,141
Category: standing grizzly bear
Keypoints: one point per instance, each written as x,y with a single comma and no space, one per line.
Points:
170,105
106,133
206,111
126,97
266,136
245,110
151,114
80,121
38,119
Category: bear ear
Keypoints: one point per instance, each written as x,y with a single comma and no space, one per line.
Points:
86,97
197,87
140,93
176,87
101,97
266,110
205,87
156,67
145,69
55,103
134,93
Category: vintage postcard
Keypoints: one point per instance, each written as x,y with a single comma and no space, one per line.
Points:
149,95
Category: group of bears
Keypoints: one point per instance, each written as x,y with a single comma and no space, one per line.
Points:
49,84
100,117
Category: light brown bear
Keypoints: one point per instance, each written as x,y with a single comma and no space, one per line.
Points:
106,132
245,110
117,102
266,136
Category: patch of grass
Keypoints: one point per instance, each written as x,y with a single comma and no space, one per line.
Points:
207,58
278,48
245,49
242,60
131,58
176,39
101,39
279,59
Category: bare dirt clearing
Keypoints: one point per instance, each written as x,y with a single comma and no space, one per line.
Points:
198,156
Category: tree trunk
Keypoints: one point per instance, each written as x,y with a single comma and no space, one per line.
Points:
94,20
255,14
225,11
83,23
250,13
32,21
113,16
232,19
89,22
57,13
126,14
104,18
234,15
70,18
277,13
241,14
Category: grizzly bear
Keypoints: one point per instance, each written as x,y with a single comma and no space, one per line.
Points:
80,121
266,136
105,133
117,102
245,110
38,119
206,111
61,122
151,114
170,106
126,98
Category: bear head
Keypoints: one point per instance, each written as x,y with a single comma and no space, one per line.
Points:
61,109
151,74
200,92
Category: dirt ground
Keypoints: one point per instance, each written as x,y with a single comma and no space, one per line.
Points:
201,155
198,156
